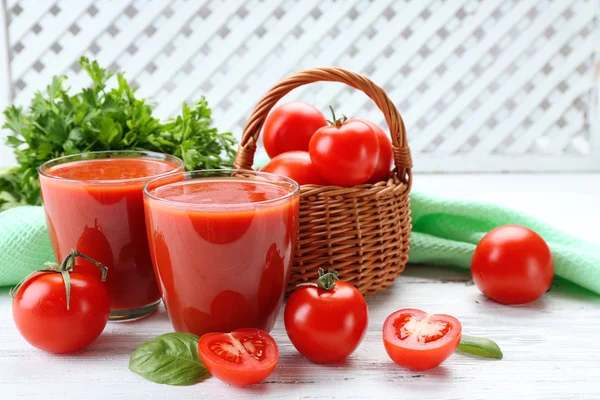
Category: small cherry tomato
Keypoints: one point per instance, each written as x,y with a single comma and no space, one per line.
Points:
419,341
290,127
326,322
385,159
297,166
512,265
346,152
61,311
241,358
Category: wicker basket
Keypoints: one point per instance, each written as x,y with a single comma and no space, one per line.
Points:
361,231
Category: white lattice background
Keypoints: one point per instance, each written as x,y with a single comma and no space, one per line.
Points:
482,84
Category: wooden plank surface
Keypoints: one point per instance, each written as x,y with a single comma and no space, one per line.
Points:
550,346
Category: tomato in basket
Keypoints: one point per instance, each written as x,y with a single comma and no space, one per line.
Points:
385,159
345,153
297,166
290,126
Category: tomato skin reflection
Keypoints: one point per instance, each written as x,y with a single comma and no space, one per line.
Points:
271,288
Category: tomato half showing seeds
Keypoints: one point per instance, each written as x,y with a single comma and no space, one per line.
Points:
240,358
59,310
512,265
419,341
290,126
327,322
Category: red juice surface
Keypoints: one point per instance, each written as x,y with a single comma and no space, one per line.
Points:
97,207
222,251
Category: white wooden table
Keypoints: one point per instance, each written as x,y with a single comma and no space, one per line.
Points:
551,347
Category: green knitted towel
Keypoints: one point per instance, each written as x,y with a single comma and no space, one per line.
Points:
445,232
24,243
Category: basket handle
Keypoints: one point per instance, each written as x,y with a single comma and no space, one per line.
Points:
402,159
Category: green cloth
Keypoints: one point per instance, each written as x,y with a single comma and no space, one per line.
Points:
24,243
445,232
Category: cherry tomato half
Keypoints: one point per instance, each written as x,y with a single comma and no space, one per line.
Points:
512,265
416,340
326,325
290,126
297,166
240,358
345,153
41,315
385,159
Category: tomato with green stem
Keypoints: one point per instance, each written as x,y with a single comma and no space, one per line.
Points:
60,310
241,357
420,341
327,321
346,152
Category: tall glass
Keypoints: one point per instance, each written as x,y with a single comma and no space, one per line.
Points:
94,203
222,244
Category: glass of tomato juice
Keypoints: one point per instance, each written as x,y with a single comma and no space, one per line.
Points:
94,203
222,243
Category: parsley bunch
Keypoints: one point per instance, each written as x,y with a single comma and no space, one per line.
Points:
97,118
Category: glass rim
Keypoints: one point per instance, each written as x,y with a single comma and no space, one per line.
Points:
106,154
295,191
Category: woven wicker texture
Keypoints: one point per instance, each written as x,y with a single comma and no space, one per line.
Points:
361,231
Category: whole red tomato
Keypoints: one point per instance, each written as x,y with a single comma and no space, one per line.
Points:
297,166
327,322
61,311
240,358
419,341
290,127
385,159
512,265
345,153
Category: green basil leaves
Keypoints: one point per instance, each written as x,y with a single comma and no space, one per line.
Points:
170,359
480,346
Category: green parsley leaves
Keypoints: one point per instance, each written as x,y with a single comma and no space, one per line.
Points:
95,119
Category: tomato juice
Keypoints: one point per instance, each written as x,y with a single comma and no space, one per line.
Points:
222,244
94,203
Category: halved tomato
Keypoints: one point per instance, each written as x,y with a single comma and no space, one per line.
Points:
240,358
417,340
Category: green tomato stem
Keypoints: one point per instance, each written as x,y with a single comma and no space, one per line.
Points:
65,268
67,280
103,268
327,280
335,121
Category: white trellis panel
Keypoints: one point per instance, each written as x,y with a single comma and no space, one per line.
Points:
6,157
483,85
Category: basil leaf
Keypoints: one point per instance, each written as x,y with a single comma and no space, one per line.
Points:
480,346
170,359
